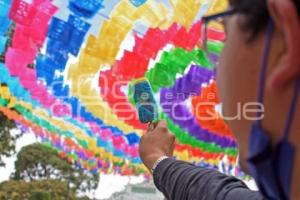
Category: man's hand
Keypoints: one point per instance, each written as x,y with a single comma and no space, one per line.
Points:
157,142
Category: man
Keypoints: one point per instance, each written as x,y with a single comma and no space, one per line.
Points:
260,63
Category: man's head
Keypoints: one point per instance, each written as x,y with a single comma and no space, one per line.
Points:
239,68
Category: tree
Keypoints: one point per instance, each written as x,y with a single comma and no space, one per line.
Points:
40,195
38,162
7,140
17,190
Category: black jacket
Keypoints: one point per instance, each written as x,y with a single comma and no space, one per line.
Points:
179,180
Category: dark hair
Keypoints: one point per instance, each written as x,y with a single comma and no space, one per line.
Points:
256,14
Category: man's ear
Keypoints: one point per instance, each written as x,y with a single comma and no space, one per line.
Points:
286,17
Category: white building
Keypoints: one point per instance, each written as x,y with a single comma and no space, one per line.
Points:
143,191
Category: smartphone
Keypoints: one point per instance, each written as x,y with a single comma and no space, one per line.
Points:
144,101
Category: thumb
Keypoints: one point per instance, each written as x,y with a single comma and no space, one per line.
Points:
161,124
